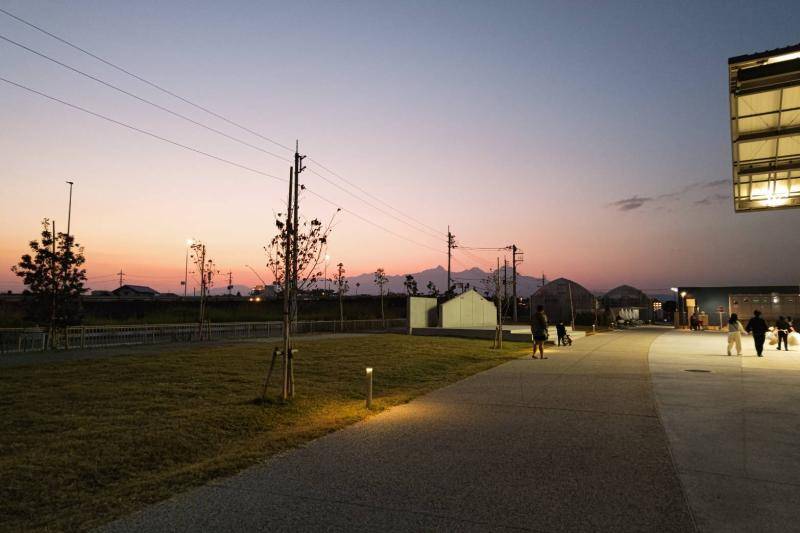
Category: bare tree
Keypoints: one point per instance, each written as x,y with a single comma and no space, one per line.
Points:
206,269
312,243
342,286
381,281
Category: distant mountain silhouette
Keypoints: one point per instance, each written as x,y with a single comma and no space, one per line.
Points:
526,285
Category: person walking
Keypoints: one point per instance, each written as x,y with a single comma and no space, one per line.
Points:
735,330
783,332
539,331
757,327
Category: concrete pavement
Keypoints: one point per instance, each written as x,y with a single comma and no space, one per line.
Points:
734,429
571,443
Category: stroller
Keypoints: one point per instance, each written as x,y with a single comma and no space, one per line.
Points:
563,337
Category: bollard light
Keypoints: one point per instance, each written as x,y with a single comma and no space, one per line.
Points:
369,387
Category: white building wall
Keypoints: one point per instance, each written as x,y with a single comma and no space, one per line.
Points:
469,309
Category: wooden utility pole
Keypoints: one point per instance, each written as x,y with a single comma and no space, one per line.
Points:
498,332
121,274
516,258
505,283
451,243
288,273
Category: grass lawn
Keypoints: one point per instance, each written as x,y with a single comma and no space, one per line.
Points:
87,441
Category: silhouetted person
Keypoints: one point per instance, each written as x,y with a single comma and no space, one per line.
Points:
735,330
783,332
561,332
757,326
539,331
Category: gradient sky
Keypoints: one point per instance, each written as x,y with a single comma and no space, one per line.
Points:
593,135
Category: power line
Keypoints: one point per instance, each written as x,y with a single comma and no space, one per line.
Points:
434,235
387,230
209,128
175,143
438,232
145,132
141,79
143,100
197,106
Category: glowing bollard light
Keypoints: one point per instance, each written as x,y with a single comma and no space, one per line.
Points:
369,388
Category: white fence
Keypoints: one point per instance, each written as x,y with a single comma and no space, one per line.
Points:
32,339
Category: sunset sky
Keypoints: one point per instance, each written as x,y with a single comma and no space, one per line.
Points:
594,135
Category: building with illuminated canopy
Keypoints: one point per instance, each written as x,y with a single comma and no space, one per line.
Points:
765,129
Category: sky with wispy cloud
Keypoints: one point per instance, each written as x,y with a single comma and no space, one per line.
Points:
594,135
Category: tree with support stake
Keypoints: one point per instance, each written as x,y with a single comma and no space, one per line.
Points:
294,256
381,281
342,287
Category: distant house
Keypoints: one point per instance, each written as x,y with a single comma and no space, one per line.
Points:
101,294
134,291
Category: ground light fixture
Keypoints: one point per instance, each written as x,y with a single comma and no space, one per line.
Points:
369,387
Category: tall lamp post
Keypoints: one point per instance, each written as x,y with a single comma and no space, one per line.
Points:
676,317
69,209
189,243
683,304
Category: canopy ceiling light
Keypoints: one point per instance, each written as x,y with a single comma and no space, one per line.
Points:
765,129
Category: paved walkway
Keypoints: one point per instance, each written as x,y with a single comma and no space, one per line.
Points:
734,429
571,443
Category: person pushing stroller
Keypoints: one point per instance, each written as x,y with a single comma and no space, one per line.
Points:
563,337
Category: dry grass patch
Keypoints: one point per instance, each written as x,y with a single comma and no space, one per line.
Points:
87,441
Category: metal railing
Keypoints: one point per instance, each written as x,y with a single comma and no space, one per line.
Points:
35,339
22,340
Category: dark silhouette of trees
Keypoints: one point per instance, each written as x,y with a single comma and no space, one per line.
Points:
54,278
411,285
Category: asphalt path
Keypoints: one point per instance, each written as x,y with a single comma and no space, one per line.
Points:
570,443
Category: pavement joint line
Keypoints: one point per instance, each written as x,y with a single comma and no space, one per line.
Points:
672,461
224,486
544,408
735,476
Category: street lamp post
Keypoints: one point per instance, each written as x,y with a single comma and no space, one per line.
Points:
189,243
69,209
676,317
683,304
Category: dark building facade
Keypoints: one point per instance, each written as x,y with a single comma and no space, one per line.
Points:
772,300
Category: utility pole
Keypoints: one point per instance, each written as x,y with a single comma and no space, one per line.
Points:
230,282
516,258
451,243
505,281
498,332
121,274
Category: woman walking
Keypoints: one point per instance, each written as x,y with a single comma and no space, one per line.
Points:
539,331
735,330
